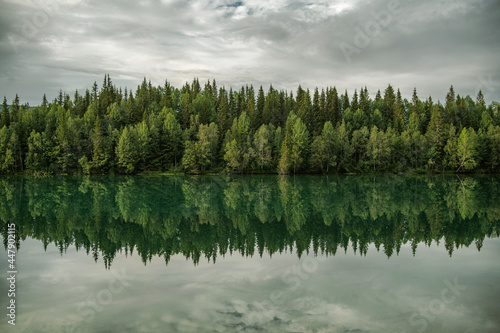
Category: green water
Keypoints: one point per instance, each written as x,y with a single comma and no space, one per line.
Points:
253,254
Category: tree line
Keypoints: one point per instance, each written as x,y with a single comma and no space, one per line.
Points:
199,129
209,217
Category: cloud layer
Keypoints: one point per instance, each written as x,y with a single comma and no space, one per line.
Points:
46,45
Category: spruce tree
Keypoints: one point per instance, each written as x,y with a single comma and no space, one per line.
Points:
5,116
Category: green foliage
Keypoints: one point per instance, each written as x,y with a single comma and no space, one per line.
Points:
238,148
450,150
323,148
208,136
467,150
173,139
5,115
378,149
36,159
127,150
493,148
107,130
262,142
195,157
294,149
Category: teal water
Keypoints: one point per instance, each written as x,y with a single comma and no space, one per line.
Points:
253,253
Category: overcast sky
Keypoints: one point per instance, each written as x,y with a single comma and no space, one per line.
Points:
46,45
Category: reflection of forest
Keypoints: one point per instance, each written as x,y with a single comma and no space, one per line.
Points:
210,216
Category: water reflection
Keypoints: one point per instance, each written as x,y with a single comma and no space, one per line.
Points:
207,217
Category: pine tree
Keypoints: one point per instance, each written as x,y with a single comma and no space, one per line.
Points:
261,100
450,150
364,102
99,156
14,112
389,105
345,101
5,117
354,103
399,125
223,116
304,111
493,148
344,148
323,148
480,99
467,150
127,150
238,144
300,140
262,146
450,110
333,106
36,159
378,148
173,139
251,109
317,117
435,138
415,106
208,138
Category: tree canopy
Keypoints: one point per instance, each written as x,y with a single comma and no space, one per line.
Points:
205,128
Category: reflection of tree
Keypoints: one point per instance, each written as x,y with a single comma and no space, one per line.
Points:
212,216
294,205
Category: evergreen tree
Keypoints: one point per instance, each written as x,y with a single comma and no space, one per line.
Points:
262,142
173,138
317,116
127,150
208,137
14,112
388,111
4,141
364,102
99,154
415,106
36,159
5,116
261,100
435,138
300,140
467,150
323,148
399,125
450,110
304,111
378,148
450,150
493,148
238,143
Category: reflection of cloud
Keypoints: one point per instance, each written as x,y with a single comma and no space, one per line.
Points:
338,297
300,314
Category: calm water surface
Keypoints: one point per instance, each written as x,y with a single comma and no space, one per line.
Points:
253,254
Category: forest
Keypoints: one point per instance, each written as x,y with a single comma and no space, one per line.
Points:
208,129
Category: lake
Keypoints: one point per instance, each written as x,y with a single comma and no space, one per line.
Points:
252,253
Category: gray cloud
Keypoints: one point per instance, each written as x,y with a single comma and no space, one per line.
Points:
46,45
